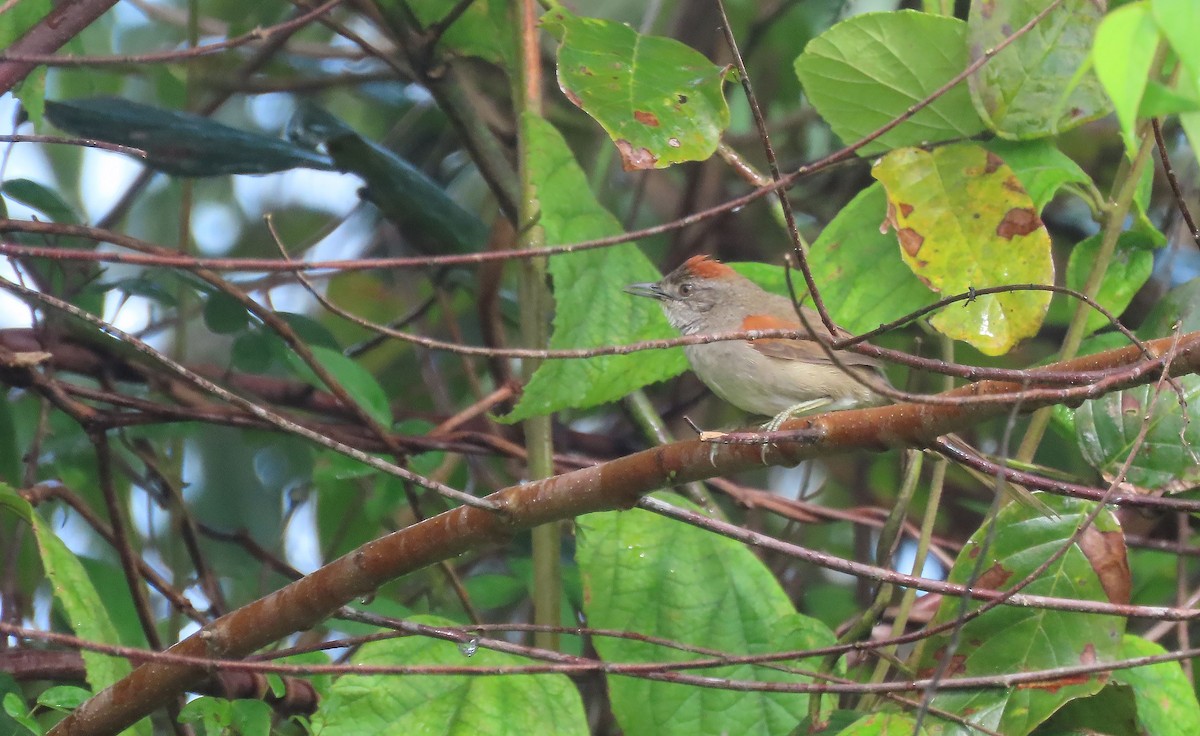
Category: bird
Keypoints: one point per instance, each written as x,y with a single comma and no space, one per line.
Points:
777,377
774,377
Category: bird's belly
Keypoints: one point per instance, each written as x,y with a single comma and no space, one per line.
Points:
766,385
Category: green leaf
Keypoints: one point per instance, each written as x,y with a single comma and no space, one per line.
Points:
964,220
1169,459
225,315
1040,84
1178,21
1127,272
407,197
84,609
451,704
484,30
1166,700
250,717
661,578
1105,427
15,709
591,308
180,143
82,604
1040,166
1016,639
207,713
1112,712
357,381
11,500
659,100
63,697
41,198
491,590
256,350
1160,101
15,21
868,70
883,724
858,267
1123,54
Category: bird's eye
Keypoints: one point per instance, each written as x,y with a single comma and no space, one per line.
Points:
685,290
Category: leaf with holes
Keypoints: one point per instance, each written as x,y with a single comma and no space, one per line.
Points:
659,100
964,221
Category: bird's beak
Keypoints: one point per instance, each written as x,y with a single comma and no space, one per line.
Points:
654,291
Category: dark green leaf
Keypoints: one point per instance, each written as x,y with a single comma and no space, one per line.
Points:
1112,712
310,330
145,286
405,195
41,198
1168,459
483,30
858,267
255,351
180,143
63,697
1127,272
225,315
357,381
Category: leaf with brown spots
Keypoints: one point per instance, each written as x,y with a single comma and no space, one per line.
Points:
660,101
964,221
1017,639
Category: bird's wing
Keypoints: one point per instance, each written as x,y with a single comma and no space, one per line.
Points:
801,349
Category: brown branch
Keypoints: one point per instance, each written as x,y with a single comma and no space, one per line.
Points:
28,665
12,55
60,25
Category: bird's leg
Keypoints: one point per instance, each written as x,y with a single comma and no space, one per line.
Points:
804,407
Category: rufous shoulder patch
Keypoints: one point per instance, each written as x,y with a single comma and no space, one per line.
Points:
706,267
767,322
